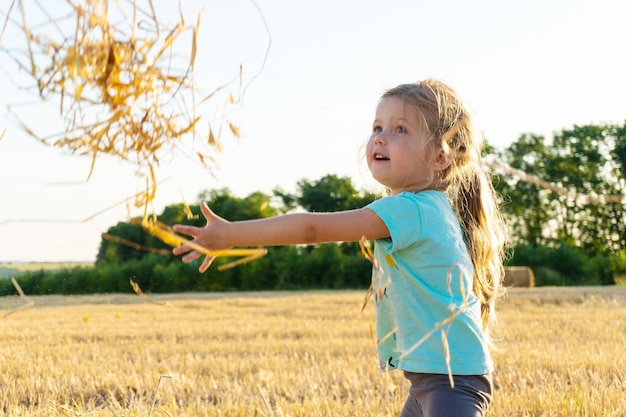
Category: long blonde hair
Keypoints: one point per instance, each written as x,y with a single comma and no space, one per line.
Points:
448,126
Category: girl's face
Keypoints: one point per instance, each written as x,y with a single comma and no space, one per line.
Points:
398,155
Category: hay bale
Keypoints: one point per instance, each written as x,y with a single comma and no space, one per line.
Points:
519,276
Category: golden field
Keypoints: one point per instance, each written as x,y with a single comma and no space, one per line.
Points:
290,354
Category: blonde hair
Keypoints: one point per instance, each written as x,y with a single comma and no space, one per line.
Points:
448,126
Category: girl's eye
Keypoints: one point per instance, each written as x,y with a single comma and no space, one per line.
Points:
401,130
377,129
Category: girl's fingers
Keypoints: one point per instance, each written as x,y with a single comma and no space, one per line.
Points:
186,230
206,211
180,250
206,263
191,256
193,231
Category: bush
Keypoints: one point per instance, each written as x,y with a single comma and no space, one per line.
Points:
618,263
326,266
564,264
545,276
599,271
6,288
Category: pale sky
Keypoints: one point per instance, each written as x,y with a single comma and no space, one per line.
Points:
522,67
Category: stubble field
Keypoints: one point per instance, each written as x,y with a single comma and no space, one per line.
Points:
290,354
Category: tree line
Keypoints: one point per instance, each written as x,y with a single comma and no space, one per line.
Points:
576,237
128,252
565,239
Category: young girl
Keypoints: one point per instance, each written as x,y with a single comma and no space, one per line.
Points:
437,253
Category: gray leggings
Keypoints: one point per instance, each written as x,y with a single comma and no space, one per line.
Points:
430,395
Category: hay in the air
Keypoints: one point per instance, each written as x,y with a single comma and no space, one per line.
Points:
123,80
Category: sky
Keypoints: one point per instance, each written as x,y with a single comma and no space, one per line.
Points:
521,67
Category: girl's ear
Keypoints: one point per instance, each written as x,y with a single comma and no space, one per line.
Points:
442,159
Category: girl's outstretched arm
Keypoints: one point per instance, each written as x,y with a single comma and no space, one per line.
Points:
288,229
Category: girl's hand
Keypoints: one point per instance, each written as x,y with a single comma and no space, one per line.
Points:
208,237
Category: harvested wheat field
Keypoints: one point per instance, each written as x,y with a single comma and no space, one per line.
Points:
290,354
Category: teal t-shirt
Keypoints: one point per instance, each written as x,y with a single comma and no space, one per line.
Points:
422,276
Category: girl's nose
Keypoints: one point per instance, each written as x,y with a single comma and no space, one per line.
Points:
379,139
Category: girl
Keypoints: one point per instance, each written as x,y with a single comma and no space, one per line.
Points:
438,247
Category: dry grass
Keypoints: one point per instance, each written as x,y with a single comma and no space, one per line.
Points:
563,353
122,79
296,354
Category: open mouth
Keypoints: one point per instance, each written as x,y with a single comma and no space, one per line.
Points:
379,157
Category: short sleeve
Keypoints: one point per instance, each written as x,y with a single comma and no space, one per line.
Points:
401,215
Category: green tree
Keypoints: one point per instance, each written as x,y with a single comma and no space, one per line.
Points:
254,206
288,202
115,251
524,204
331,193
619,150
583,163
587,162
